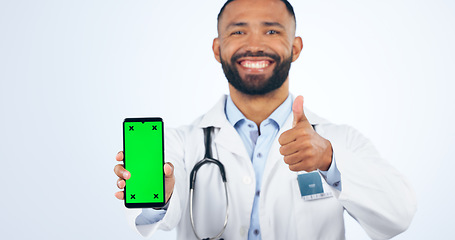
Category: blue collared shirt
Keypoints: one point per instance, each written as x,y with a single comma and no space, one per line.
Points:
258,147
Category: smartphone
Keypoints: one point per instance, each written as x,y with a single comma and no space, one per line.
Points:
143,148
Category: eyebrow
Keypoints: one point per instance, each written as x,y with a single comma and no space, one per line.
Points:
236,24
267,24
273,24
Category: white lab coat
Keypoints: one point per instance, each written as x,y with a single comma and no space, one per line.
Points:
373,192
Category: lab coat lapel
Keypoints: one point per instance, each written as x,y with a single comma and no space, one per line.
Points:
229,139
275,156
226,137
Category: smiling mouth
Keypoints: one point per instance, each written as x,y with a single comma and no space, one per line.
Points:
255,64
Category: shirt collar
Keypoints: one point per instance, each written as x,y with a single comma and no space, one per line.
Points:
279,116
233,114
282,112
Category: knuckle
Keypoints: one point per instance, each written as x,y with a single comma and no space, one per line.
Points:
301,144
293,168
280,140
313,153
282,150
287,159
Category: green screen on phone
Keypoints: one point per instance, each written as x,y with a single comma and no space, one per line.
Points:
144,158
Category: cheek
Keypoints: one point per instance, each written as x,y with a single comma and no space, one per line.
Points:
281,47
227,49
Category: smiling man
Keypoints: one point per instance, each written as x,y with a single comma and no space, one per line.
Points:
290,174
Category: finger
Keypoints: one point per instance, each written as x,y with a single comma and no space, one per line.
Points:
119,195
289,148
299,156
302,166
293,135
297,110
121,183
293,158
286,137
119,156
297,145
121,172
298,163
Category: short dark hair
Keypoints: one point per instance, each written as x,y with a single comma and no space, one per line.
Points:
288,7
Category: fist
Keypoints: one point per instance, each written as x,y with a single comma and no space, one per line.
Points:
302,147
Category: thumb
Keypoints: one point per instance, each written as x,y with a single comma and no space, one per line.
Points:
297,110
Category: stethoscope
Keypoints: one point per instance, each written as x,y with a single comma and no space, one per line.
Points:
208,158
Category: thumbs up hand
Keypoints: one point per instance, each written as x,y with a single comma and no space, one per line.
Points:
302,147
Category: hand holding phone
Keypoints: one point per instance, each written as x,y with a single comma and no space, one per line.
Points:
123,174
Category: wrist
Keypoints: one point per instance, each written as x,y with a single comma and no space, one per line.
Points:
327,157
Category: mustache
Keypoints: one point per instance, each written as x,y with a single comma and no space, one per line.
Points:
236,56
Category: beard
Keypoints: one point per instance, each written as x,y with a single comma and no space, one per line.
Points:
256,84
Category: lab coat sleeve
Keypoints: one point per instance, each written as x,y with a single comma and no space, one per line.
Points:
174,153
332,176
373,192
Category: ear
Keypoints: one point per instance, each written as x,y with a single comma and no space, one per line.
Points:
216,49
297,46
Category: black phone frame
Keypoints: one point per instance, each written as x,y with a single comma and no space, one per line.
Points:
144,204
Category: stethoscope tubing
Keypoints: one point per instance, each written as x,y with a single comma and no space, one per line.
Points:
208,159
225,219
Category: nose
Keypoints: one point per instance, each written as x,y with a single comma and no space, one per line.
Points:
255,43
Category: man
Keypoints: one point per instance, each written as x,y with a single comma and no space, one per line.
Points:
266,142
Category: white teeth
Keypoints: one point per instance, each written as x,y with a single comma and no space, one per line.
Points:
255,64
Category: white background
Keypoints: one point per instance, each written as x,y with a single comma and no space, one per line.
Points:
70,71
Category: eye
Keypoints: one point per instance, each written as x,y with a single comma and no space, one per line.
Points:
271,32
237,33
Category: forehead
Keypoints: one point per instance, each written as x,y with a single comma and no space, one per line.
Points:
255,11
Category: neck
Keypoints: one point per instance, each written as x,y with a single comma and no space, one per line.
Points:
257,108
